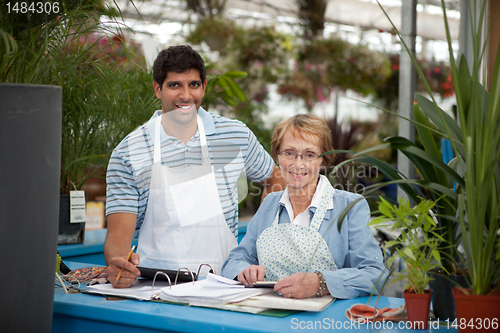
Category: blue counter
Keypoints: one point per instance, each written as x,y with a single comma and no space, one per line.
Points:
93,313
86,313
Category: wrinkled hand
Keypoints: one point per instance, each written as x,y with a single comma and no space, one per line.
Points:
299,285
130,272
252,274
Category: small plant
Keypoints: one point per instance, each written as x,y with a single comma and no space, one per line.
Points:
418,243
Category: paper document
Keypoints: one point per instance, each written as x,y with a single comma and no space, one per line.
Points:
214,290
275,301
140,289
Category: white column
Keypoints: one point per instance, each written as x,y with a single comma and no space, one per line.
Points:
407,78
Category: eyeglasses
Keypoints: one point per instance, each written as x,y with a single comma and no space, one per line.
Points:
291,155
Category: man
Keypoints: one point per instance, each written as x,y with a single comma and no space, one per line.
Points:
172,181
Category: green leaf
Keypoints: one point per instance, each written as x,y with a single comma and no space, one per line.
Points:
435,113
230,101
236,74
409,253
464,84
436,255
346,211
238,93
223,83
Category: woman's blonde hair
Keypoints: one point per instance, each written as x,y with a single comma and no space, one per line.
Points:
301,126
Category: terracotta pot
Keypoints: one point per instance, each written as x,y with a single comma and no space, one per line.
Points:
477,313
417,308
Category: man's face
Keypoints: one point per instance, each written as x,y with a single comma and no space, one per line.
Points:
181,95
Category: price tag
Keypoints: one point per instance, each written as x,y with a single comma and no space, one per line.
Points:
77,207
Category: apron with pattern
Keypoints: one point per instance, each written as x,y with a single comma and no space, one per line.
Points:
184,225
285,249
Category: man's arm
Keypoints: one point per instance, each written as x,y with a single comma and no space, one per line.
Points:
121,227
274,183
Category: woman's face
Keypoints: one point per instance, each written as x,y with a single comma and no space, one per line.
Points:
300,174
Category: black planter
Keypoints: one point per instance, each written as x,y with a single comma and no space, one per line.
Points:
30,153
443,302
69,233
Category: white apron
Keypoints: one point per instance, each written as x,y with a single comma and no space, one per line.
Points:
184,225
286,249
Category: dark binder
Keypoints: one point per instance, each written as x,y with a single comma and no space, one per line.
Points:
182,277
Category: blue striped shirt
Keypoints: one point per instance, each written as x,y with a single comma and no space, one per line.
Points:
233,148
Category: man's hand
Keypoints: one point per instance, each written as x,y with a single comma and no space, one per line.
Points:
252,274
121,228
299,285
130,272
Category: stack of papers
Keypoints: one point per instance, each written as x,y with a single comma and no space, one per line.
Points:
275,301
140,289
214,291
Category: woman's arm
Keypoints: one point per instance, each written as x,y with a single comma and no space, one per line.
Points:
245,254
357,254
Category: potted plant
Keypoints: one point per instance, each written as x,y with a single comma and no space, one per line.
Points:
217,32
417,246
31,48
468,212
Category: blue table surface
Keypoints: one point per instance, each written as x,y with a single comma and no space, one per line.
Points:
80,312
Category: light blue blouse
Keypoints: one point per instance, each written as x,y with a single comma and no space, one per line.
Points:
356,253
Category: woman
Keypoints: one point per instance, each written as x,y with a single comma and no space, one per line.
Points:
293,237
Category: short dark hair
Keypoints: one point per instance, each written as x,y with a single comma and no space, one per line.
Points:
178,59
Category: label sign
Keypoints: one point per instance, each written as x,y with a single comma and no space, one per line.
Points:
78,211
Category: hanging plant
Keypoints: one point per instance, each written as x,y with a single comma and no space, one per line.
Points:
264,51
216,32
437,74
334,63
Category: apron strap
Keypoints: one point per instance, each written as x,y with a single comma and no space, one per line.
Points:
322,207
205,156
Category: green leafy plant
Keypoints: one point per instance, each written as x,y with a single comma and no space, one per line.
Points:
468,213
332,62
221,89
215,31
418,243
71,48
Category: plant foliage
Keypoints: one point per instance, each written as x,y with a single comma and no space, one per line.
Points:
418,243
469,212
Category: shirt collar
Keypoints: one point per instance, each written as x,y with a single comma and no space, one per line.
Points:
285,197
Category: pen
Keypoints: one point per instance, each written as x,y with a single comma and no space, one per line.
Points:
128,258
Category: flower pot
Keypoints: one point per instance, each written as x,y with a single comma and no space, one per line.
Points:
417,308
69,233
477,313
30,149
442,299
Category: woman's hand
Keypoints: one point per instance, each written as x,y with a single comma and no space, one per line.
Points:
299,285
252,274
